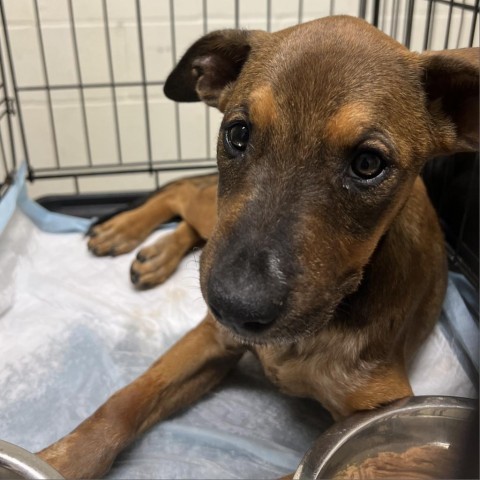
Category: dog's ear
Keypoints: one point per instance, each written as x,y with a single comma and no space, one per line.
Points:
451,82
208,66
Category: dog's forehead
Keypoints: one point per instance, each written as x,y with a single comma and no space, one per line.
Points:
321,66
333,49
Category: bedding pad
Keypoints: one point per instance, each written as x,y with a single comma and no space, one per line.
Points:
73,330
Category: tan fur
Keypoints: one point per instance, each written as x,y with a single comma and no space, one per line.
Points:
360,265
382,385
348,122
343,384
262,107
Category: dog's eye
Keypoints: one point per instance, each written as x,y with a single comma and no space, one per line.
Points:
236,138
367,165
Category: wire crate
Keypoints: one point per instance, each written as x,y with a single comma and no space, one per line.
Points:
81,94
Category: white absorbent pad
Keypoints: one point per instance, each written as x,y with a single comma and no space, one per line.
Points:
73,330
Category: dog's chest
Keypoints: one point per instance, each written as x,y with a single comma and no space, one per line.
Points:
308,370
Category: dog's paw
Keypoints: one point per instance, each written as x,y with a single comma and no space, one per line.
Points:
119,235
156,263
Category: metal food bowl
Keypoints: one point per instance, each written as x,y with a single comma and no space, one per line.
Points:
16,462
439,424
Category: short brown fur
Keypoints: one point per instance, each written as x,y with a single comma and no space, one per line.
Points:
331,278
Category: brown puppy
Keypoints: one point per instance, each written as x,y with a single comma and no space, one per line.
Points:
326,259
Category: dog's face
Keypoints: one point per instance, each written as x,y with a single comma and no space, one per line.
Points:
326,126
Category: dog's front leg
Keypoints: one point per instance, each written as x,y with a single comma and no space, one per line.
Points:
188,370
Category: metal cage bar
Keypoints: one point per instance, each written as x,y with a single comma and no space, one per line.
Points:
47,83
174,60
16,97
207,109
144,83
80,81
7,102
300,11
474,23
111,73
3,154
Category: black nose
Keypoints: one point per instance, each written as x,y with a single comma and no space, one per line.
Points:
247,291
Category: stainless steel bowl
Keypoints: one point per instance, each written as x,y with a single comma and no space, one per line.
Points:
16,462
442,422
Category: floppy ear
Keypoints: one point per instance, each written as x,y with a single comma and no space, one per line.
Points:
451,84
208,66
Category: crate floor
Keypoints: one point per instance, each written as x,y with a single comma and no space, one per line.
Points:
73,330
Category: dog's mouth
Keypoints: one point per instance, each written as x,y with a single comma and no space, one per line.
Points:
254,334
283,330
255,327
247,328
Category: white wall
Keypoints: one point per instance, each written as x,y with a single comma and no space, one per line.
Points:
91,38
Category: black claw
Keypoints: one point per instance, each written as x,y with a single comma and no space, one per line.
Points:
134,277
144,286
141,258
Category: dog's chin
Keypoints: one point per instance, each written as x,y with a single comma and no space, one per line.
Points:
283,331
